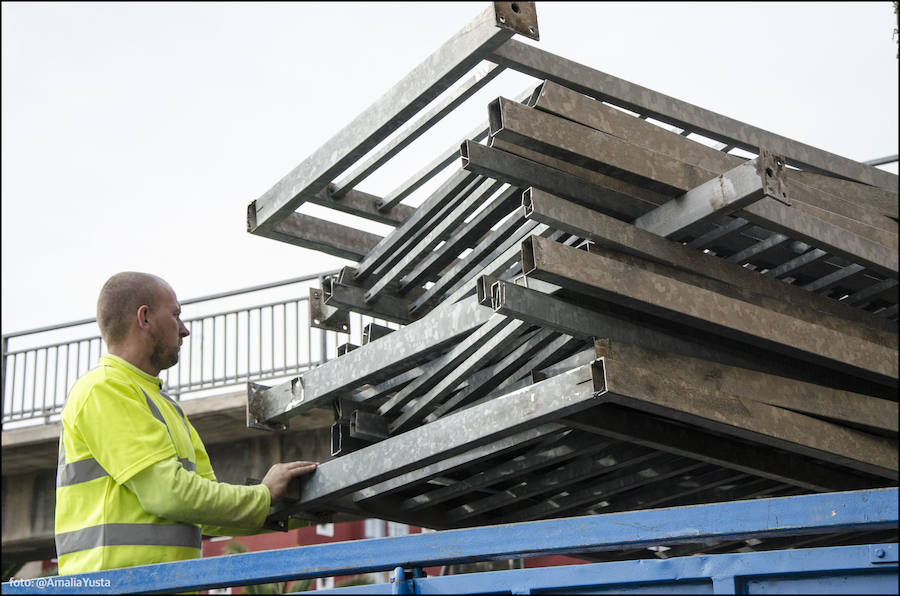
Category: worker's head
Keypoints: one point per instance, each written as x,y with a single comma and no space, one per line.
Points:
140,312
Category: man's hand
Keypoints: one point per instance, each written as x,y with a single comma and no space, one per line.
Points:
279,475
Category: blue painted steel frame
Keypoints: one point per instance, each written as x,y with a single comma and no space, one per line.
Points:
798,515
846,569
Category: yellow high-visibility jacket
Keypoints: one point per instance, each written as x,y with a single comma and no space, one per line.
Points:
135,484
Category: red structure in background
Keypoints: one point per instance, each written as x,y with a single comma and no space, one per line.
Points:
341,532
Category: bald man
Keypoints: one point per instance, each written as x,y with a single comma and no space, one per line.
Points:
135,484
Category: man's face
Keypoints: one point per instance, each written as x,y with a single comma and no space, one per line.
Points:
167,330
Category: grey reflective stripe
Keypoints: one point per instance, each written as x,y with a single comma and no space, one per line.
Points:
80,471
185,462
128,535
62,447
177,409
153,409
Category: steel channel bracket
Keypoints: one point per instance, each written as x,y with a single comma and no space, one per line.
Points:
373,331
368,426
326,317
346,347
255,399
342,442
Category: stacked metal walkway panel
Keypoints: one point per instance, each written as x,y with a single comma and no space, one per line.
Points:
602,307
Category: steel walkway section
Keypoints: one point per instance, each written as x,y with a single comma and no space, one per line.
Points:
607,305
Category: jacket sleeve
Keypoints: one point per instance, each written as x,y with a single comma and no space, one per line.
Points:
167,490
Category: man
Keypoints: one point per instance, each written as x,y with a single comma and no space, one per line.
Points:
135,484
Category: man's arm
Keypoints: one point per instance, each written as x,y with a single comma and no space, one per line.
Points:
167,490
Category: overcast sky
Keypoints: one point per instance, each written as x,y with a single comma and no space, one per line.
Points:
135,134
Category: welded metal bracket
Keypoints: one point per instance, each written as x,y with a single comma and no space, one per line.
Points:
346,347
519,17
326,317
368,426
373,331
254,412
770,168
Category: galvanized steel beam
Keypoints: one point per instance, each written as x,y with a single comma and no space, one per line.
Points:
661,390
542,456
791,394
463,238
325,236
875,250
560,101
592,148
620,236
642,197
730,226
374,362
618,422
447,380
416,129
849,199
825,283
796,263
736,188
604,87
539,347
467,458
420,248
446,197
348,293
755,250
640,472
874,291
365,205
429,171
577,472
649,292
521,172
441,367
497,243
884,201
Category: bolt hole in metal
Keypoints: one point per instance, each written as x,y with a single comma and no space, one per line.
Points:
515,8
769,172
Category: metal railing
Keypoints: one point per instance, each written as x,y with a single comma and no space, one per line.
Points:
225,348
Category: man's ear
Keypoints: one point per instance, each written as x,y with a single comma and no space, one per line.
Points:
143,316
